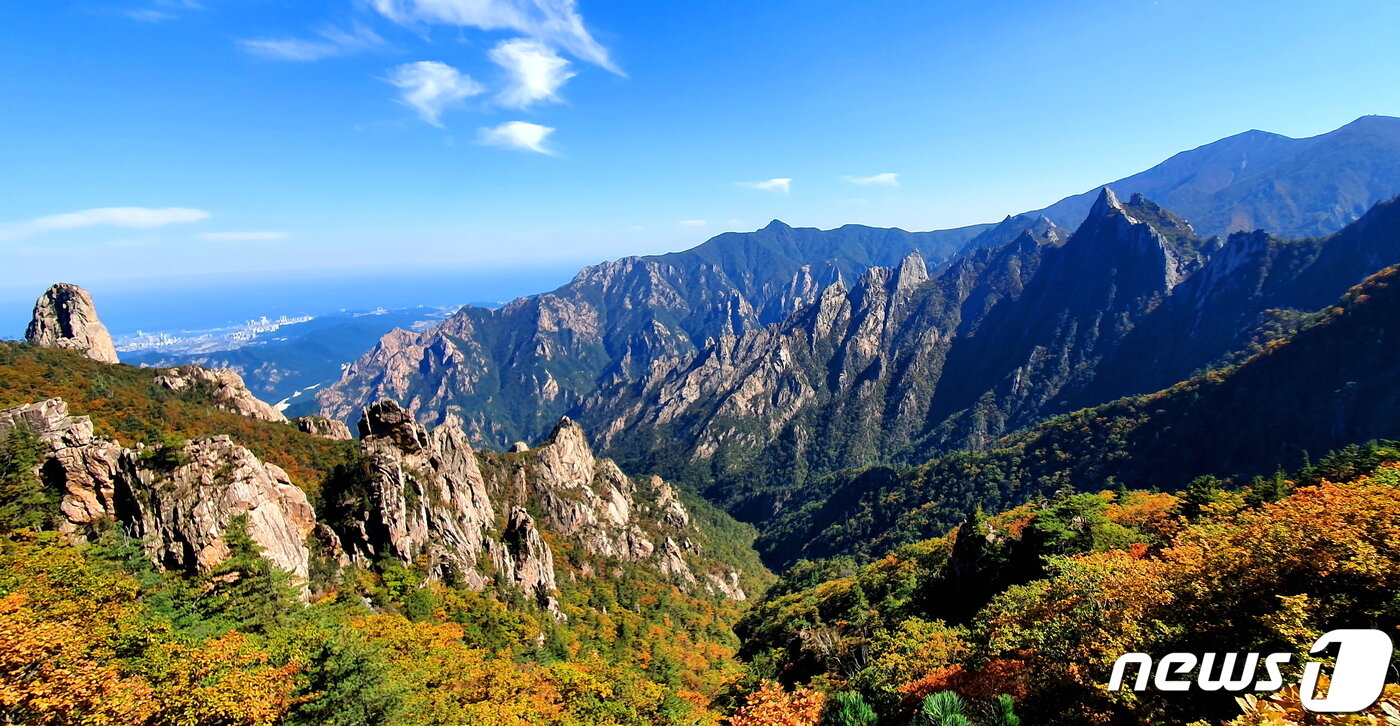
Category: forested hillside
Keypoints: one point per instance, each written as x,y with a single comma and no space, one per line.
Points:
1018,617
99,625
1331,384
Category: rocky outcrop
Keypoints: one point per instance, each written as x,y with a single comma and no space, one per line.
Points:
65,317
325,428
525,560
421,498
427,497
224,387
178,503
498,369
91,473
182,513
424,498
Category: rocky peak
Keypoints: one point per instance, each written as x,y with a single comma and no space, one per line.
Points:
224,386
65,317
387,420
525,560
912,272
179,513
325,428
1106,207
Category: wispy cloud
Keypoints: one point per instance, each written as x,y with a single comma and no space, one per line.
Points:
430,87
693,223
520,135
783,185
879,180
536,72
554,22
126,217
243,236
330,42
161,10
148,15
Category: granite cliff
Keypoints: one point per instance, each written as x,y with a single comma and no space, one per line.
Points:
64,317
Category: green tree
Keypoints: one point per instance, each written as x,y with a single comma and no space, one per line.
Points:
248,592
1003,712
849,708
1200,494
24,500
944,708
347,684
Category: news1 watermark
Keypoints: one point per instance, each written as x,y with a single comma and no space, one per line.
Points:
1357,678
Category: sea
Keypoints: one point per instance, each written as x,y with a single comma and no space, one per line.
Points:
204,301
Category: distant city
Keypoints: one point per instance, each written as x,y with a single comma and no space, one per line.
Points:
213,339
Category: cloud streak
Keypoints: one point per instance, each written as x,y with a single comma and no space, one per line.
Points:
430,87
693,223
243,236
536,72
878,180
124,217
518,135
554,22
330,42
782,185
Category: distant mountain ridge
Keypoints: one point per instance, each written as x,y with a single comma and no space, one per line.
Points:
510,372
1260,180
1332,384
594,347
901,367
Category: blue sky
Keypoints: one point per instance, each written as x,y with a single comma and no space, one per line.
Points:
172,139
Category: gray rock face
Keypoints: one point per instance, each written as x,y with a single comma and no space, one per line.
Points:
420,498
226,388
524,559
613,322
180,514
426,494
65,317
430,499
184,513
324,427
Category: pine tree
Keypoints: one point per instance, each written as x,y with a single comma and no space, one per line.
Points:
944,708
347,684
1200,494
849,708
24,500
248,592
1004,712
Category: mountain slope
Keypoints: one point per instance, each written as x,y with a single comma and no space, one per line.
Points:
621,326
509,373
1259,180
900,367
1333,383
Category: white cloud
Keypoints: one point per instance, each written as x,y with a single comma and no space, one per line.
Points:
429,87
331,42
520,135
878,180
693,223
243,236
772,185
126,217
536,72
555,22
147,15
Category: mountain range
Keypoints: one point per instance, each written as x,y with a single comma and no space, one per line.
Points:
758,361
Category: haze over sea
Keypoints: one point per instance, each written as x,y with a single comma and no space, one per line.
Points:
200,302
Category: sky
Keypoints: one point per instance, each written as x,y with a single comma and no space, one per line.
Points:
165,143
